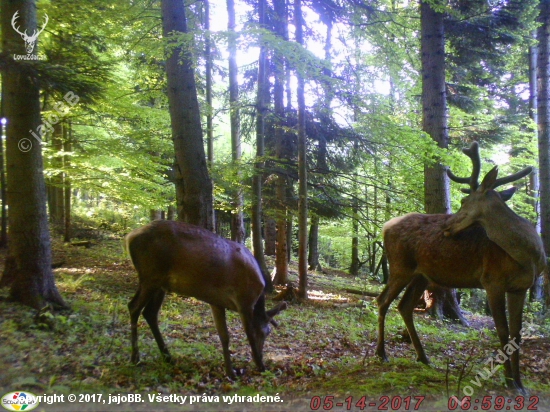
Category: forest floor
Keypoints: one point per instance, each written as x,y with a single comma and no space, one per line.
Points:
323,347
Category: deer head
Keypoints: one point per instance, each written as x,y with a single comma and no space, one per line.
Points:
30,41
482,198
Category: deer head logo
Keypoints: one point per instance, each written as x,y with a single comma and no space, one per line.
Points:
30,41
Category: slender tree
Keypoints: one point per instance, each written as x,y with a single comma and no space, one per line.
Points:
29,268
208,84
257,243
195,197
302,163
237,226
543,101
281,260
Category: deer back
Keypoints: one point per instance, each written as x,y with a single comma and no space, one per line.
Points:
195,262
416,243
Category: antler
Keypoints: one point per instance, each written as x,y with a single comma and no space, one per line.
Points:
514,177
13,19
47,19
473,153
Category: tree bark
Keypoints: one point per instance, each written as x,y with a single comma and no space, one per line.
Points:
437,197
302,164
31,277
67,149
313,242
208,85
3,197
543,79
281,259
197,207
434,107
237,226
270,226
257,241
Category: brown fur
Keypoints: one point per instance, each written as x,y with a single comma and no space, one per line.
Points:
188,260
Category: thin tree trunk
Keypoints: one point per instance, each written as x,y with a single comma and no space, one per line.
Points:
67,148
313,242
543,75
281,261
186,123
270,227
208,85
302,164
257,242
237,226
31,277
3,198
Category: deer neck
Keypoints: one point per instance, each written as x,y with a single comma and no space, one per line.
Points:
514,234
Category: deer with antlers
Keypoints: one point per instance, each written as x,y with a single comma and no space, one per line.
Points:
484,245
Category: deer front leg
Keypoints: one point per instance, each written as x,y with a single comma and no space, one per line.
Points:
406,308
497,304
218,313
515,311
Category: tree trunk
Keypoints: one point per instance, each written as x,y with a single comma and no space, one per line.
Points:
32,281
257,242
434,122
237,226
155,214
443,303
67,148
3,198
270,227
543,75
185,117
281,260
434,107
313,242
302,164
208,85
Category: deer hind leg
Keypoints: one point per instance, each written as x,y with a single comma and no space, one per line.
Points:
395,285
497,304
218,313
515,311
151,314
136,305
406,308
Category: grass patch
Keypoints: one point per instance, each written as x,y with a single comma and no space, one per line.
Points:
325,346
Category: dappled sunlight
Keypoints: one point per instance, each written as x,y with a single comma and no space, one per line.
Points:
319,295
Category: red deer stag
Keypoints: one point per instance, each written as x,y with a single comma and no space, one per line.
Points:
484,245
191,261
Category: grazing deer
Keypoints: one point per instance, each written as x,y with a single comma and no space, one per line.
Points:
484,245
191,261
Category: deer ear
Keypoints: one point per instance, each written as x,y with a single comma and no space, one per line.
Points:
489,180
507,194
